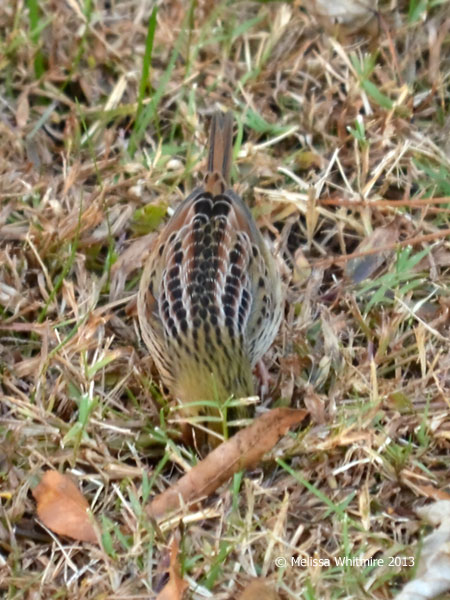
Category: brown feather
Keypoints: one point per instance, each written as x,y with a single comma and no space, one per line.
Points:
217,178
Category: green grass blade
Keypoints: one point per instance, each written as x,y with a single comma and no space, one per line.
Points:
35,29
144,83
149,111
380,98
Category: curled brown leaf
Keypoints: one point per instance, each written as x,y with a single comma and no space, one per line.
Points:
62,508
241,451
176,586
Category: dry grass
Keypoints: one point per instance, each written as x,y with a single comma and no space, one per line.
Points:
77,388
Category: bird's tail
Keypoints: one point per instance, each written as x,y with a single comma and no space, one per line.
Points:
220,152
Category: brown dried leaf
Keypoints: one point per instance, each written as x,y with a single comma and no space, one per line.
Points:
431,492
302,267
243,450
312,217
23,109
62,508
362,267
72,176
345,438
315,404
176,586
258,589
132,258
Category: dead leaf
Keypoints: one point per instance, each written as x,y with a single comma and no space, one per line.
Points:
176,586
258,589
433,572
10,298
436,38
306,160
345,438
346,11
431,492
62,508
72,177
23,109
362,267
132,258
349,16
302,268
312,216
315,404
243,450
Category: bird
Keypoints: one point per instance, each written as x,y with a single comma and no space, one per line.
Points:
210,298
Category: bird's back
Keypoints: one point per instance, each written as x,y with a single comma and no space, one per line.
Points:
210,293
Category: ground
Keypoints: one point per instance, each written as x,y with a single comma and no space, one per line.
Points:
342,148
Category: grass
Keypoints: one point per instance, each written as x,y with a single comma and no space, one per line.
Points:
340,134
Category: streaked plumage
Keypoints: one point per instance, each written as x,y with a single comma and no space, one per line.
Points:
210,299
